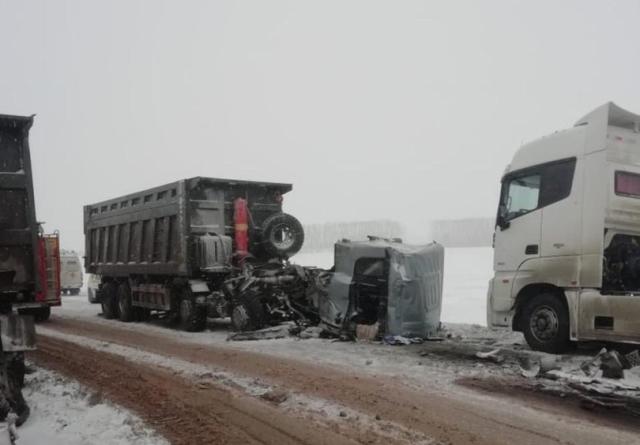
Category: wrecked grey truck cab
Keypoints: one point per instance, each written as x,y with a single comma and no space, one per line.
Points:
382,281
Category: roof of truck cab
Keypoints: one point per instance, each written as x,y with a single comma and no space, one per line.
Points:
587,135
611,114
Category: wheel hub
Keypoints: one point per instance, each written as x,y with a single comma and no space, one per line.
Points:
282,237
545,323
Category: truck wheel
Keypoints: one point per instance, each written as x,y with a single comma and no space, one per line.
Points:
124,303
282,235
108,300
192,318
142,314
248,314
545,323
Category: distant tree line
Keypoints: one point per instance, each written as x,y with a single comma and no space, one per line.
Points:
323,236
469,232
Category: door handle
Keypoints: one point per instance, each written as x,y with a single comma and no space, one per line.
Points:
531,249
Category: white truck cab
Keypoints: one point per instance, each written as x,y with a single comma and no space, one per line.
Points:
567,238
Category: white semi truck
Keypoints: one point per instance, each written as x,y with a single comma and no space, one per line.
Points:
567,238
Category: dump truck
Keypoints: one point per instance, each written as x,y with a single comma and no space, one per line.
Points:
194,249
567,238
29,262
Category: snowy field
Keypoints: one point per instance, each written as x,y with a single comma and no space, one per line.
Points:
64,412
467,271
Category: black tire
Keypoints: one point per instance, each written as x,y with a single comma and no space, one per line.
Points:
109,300
192,318
142,314
248,314
74,291
125,310
16,367
282,235
545,323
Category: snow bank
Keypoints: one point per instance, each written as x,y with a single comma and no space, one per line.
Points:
63,412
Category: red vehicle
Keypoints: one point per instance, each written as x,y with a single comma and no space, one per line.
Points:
49,276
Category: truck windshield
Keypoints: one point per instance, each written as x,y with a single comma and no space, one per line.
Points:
521,195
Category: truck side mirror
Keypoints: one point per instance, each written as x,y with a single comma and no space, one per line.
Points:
502,218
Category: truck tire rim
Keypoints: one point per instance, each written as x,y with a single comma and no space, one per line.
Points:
282,237
544,324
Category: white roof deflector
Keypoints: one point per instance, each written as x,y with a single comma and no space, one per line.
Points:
610,114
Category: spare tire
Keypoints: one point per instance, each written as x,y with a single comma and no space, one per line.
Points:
282,235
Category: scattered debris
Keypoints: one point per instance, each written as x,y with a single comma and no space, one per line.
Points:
611,365
532,366
271,333
311,332
275,396
633,358
435,338
395,340
367,332
491,355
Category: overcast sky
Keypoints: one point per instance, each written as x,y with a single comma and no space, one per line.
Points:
407,110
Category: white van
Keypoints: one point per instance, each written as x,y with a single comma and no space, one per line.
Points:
70,273
567,238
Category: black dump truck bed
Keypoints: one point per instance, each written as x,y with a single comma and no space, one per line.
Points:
19,272
178,229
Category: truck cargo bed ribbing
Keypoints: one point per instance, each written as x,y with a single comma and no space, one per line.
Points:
157,231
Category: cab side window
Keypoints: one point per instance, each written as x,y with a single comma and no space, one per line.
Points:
556,181
536,187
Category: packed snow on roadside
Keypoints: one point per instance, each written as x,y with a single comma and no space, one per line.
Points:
63,412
